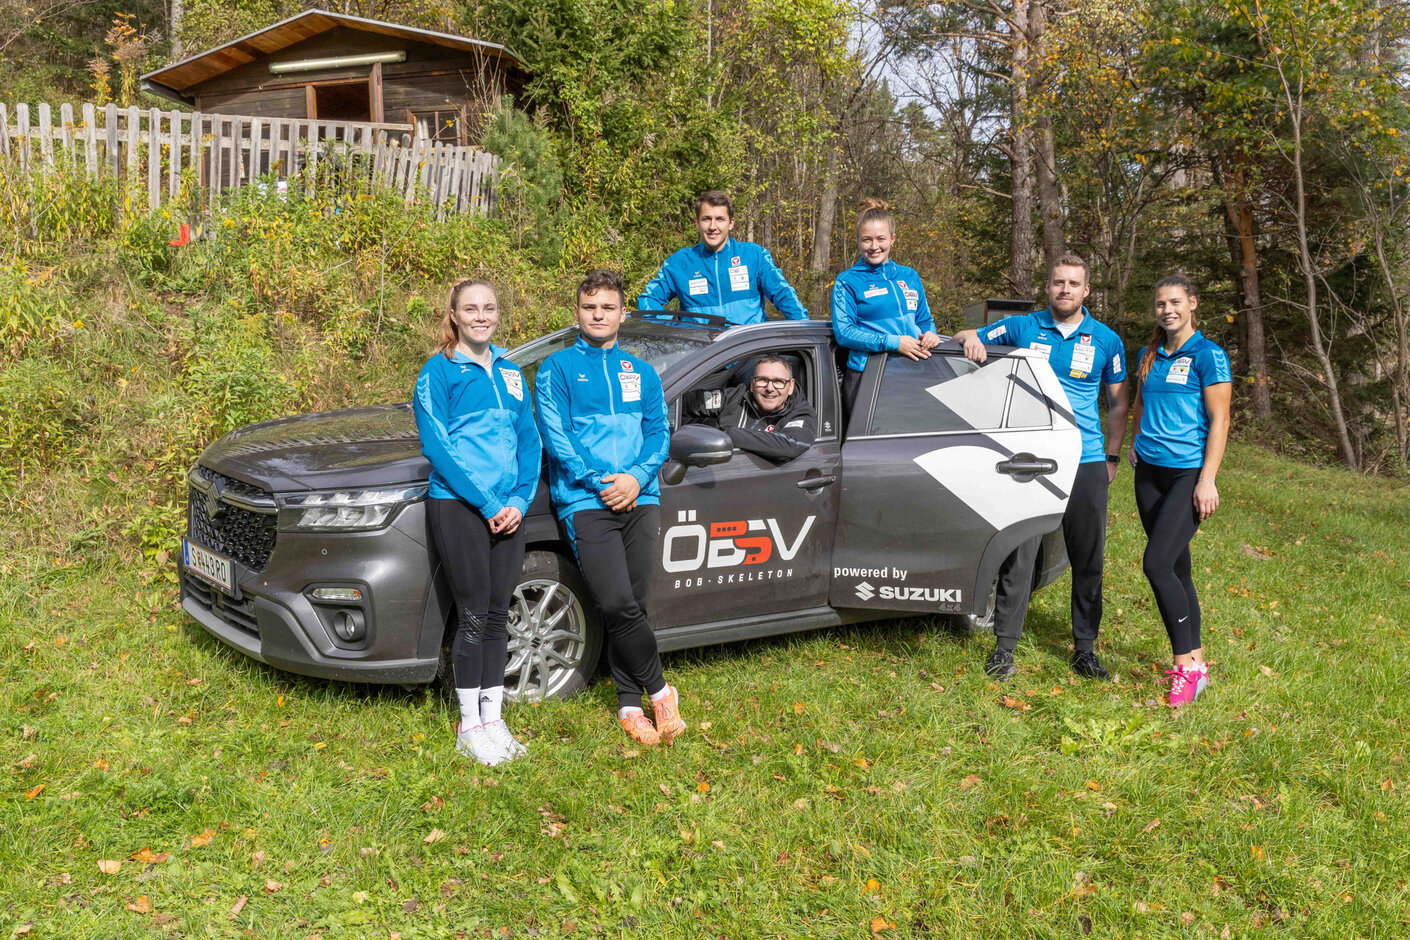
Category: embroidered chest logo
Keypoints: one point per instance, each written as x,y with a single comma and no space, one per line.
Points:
513,382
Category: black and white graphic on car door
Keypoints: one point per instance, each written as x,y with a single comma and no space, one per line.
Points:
955,460
1018,491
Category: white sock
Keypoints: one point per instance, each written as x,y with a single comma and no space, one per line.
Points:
657,696
491,704
469,708
626,710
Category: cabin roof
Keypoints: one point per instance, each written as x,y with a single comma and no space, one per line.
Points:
181,76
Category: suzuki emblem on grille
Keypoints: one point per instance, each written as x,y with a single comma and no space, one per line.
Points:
214,507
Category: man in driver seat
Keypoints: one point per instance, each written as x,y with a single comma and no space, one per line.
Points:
769,416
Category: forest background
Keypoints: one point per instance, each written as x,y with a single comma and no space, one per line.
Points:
1263,149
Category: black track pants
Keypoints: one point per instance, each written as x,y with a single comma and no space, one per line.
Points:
1084,532
617,556
1165,498
482,569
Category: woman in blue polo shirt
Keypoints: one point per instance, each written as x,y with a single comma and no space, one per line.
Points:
877,304
1182,423
477,429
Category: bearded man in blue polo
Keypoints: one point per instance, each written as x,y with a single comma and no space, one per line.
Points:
1088,358
720,275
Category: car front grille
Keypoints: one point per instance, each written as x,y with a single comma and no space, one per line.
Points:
238,614
234,530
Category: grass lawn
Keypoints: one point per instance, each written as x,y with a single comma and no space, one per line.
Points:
841,783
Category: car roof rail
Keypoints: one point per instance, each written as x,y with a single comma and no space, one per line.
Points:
685,317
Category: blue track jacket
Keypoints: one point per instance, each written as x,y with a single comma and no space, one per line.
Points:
601,411
732,282
477,429
873,306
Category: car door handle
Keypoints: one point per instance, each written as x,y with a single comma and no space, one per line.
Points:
1024,467
812,483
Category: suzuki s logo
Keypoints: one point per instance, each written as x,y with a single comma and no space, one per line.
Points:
690,546
214,507
865,592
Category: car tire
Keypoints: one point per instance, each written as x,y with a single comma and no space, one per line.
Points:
555,637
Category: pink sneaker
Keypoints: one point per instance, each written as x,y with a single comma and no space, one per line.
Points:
1186,683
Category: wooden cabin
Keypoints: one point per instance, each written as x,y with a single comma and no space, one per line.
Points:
333,67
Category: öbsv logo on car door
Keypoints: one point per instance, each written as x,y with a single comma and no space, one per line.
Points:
691,545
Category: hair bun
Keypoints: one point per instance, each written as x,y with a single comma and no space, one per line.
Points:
868,204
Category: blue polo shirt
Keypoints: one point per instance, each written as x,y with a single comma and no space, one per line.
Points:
1085,362
1174,422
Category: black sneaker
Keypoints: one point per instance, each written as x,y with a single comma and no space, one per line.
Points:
1000,665
1086,665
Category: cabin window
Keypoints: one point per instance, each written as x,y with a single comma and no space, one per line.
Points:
444,125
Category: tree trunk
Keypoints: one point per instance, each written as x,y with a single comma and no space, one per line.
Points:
1309,279
1049,196
178,13
1020,158
1400,383
1239,208
821,265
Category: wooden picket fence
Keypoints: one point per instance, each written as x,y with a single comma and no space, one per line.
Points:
157,150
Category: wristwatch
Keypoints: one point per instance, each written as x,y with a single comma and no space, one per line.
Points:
1113,458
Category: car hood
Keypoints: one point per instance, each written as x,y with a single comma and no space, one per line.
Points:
332,449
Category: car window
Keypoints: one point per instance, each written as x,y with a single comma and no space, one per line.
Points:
1027,406
942,393
738,372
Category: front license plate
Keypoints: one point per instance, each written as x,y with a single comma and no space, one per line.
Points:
214,568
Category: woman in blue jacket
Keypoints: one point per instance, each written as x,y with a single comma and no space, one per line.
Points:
877,304
1183,387
477,428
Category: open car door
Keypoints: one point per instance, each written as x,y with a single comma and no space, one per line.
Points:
947,467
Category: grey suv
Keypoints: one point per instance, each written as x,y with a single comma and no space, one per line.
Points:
307,545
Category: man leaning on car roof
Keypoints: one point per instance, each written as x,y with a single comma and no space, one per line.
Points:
720,275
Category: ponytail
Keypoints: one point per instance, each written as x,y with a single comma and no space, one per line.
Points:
450,333
1158,334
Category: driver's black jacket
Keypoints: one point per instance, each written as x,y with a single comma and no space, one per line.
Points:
779,436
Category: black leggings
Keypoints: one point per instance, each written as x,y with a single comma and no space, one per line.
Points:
617,556
482,569
1165,500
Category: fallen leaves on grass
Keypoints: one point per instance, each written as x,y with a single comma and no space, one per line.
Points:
1152,825
142,905
147,857
32,792
871,887
273,887
881,925
1016,703
202,838
435,835
109,866
1268,672
863,763
799,708
256,858
27,762
969,783
1094,786
434,805
238,906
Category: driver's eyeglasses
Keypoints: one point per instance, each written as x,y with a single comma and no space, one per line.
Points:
774,383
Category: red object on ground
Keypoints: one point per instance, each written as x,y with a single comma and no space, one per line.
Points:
183,239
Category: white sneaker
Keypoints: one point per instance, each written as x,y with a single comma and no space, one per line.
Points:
500,734
478,745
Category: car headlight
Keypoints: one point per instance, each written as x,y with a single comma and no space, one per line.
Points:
346,510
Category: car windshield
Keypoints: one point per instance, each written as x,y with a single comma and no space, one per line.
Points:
660,349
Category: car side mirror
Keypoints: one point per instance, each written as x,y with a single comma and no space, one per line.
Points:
695,445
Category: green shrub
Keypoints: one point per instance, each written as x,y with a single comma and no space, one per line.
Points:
33,309
45,414
232,377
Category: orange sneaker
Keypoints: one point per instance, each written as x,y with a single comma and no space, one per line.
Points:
668,716
639,728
